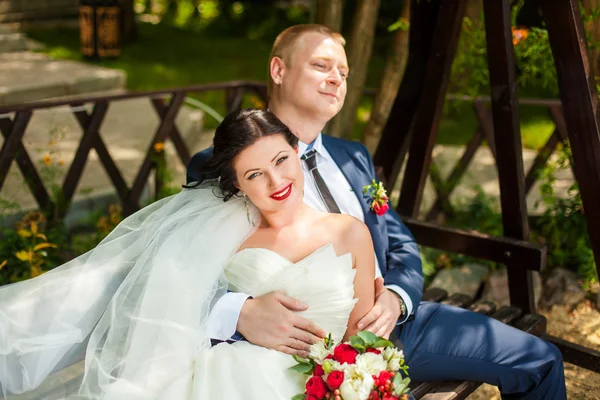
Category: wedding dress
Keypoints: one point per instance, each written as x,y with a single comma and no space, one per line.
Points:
138,305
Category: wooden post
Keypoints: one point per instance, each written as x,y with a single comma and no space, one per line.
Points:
507,139
393,145
445,41
579,99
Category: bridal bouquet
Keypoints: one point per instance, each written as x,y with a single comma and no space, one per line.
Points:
367,367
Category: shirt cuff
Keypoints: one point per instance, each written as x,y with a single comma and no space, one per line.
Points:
405,298
223,318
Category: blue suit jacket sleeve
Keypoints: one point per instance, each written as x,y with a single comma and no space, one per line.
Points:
403,258
193,173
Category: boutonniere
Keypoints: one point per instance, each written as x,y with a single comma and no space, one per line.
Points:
379,198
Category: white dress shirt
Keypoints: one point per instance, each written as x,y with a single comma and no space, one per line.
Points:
222,321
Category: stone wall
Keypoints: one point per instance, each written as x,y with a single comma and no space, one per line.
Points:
37,10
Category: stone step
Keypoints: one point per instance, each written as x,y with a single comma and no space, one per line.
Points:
7,28
27,77
14,41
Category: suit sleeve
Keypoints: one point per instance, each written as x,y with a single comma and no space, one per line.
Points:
193,173
404,268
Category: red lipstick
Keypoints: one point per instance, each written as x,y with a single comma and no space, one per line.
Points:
282,194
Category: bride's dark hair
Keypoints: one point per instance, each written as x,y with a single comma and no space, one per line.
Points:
237,131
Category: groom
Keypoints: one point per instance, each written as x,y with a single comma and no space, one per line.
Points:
308,71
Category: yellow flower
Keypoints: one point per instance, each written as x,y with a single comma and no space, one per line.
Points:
23,255
3,264
24,233
47,159
61,163
159,147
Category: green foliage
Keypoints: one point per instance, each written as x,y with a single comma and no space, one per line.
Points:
563,226
29,248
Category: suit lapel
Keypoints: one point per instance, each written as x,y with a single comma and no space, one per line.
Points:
346,163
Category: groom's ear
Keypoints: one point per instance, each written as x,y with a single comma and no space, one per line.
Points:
277,70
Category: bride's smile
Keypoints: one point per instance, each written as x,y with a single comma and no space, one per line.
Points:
270,174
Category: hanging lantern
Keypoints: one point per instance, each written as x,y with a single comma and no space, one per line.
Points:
99,22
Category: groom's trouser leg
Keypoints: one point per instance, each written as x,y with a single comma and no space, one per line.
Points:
450,343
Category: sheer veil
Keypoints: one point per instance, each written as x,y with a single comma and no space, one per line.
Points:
137,303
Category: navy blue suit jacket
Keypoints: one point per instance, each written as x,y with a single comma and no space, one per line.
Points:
395,247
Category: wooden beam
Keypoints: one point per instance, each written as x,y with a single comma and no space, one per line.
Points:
531,256
91,132
28,170
162,133
576,354
579,100
446,34
393,144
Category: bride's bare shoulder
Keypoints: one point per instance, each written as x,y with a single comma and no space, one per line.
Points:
348,229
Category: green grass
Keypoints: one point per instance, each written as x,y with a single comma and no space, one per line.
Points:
165,56
458,126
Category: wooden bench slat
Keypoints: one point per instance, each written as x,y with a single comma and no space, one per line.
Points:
435,294
507,314
533,323
451,390
459,300
483,307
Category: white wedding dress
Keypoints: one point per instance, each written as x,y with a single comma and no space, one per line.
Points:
137,307
245,371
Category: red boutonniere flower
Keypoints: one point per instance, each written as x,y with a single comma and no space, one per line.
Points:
379,203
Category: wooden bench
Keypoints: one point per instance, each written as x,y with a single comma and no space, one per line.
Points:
455,390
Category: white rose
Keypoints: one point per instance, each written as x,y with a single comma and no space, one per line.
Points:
393,358
332,365
357,384
318,351
371,363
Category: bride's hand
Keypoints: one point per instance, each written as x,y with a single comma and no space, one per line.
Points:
269,321
382,318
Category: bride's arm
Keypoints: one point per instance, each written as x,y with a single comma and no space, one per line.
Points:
358,240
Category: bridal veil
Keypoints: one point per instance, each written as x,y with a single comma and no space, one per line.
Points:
137,304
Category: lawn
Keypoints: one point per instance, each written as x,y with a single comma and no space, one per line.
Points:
166,56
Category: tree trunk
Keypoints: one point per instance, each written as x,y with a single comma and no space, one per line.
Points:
359,54
129,31
390,82
329,13
592,28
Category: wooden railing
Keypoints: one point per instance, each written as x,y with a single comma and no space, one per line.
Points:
166,103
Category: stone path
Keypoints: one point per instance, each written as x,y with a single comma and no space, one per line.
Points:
27,76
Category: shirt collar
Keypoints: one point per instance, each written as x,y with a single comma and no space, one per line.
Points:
317,144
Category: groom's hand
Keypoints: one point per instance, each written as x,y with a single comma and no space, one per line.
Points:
382,318
269,321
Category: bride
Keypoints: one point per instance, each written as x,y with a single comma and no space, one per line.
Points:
138,303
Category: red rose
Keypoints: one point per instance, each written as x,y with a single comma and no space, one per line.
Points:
316,387
311,398
372,350
344,353
384,376
318,370
335,379
380,209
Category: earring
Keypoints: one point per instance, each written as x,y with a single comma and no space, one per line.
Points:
246,203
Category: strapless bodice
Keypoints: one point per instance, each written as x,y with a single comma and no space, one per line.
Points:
323,280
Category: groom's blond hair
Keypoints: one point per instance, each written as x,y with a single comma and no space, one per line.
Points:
286,41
